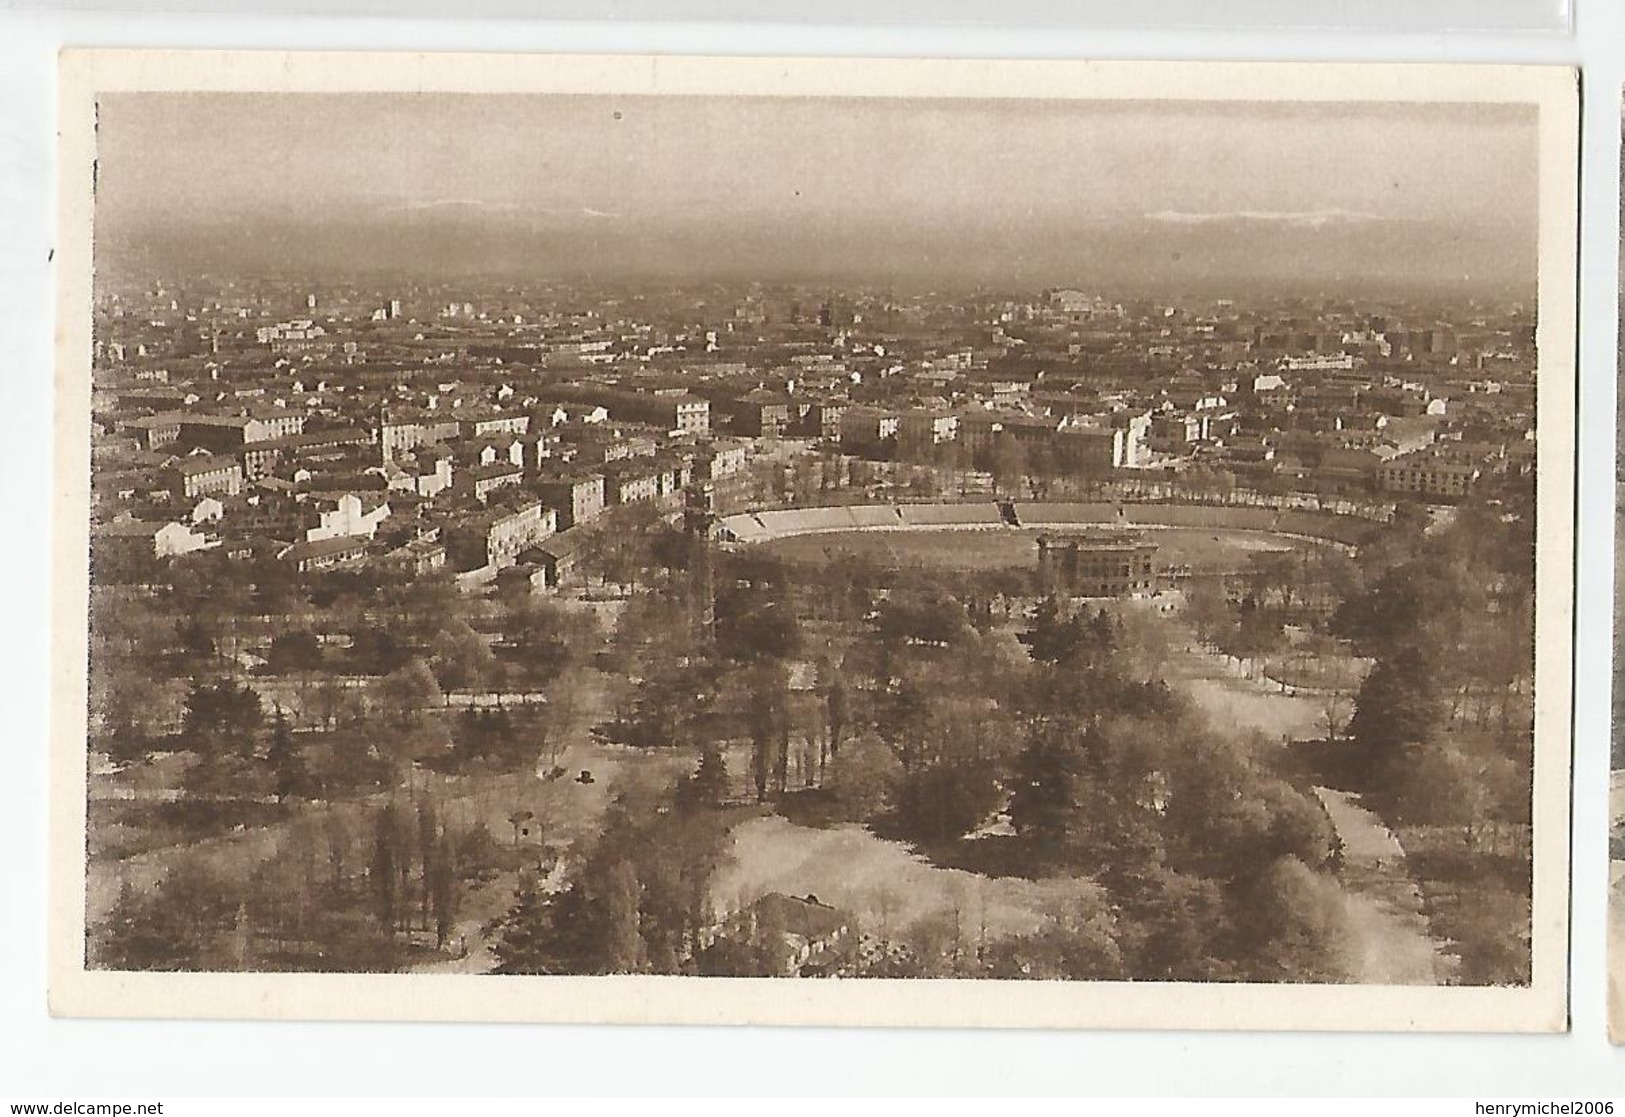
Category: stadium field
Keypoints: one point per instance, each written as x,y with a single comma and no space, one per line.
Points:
1201,549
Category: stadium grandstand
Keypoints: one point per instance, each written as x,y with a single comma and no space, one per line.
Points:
760,527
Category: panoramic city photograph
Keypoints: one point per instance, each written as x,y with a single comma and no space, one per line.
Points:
813,537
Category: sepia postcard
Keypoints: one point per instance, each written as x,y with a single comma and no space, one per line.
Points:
796,541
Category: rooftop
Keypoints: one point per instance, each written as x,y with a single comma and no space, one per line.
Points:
204,464
128,529
799,915
322,548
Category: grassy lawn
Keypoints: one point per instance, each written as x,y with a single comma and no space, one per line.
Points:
1232,701
1341,673
882,884
124,828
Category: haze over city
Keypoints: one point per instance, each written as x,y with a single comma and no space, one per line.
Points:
1133,196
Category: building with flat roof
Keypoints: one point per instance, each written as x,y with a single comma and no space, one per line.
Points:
480,423
577,500
417,557
486,479
920,431
559,557
229,433
1098,564
325,554
206,475
349,515
868,431
402,433
758,413
263,457
670,411
154,432
1426,473
496,538
141,539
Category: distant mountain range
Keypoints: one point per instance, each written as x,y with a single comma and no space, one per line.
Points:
1323,250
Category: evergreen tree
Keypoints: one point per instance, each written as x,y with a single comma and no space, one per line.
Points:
769,727
289,772
428,850
1050,789
384,871
946,799
221,717
1054,633
442,885
1398,706
837,704
522,943
709,784
619,904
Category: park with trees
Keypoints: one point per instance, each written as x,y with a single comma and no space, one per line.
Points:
992,728
338,771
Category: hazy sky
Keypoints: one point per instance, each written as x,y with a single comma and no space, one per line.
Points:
952,191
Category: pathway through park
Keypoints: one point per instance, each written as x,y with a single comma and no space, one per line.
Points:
1393,946
1384,903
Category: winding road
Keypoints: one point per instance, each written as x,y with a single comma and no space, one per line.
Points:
1386,914
1384,904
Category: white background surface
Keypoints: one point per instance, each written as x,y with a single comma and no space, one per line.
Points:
44,1059
1485,15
